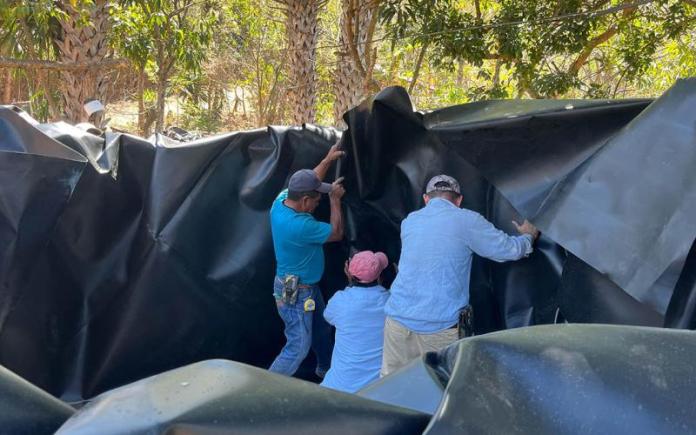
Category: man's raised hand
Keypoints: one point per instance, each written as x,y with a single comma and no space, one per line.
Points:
527,228
337,189
335,153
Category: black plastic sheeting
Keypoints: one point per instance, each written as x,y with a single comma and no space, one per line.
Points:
123,258
152,259
611,191
26,409
473,143
553,379
219,396
418,386
569,379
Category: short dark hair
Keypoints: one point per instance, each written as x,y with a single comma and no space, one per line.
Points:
297,196
444,194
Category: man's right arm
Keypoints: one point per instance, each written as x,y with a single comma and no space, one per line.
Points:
489,242
336,218
331,310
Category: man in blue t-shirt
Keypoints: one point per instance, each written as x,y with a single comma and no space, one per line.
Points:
298,241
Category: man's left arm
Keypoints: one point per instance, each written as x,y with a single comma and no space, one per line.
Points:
489,242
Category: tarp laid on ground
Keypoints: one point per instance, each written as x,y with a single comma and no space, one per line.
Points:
550,379
26,409
123,258
569,379
226,397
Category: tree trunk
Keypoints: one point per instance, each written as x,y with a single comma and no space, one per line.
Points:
7,87
496,73
460,73
395,63
83,43
301,35
51,100
353,74
141,101
161,99
416,70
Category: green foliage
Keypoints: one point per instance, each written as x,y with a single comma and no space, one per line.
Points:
28,26
249,53
164,31
201,119
225,60
542,44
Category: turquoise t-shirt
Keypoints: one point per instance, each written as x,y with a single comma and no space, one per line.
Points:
298,239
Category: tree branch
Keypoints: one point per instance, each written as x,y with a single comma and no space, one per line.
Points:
591,45
498,56
416,70
370,57
60,66
176,12
496,74
352,45
596,41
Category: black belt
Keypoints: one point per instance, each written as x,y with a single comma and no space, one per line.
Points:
299,285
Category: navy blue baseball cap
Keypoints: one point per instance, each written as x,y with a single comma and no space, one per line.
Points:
306,180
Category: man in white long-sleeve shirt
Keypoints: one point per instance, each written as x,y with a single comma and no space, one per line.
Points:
432,286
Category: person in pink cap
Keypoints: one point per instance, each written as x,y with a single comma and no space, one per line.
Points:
357,312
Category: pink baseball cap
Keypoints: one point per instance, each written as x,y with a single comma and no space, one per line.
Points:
366,266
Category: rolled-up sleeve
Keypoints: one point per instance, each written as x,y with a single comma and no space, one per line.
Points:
488,241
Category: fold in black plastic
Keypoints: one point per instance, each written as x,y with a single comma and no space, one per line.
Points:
25,409
417,386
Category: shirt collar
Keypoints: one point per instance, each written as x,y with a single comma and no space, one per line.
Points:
440,202
370,289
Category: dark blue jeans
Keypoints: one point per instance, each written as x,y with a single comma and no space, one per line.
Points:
303,330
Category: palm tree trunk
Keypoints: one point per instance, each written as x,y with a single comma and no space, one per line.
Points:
353,74
7,87
78,42
301,35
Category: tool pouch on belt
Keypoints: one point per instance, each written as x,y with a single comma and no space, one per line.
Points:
466,322
290,289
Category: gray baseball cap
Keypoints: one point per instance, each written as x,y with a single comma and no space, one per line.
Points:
306,180
443,183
